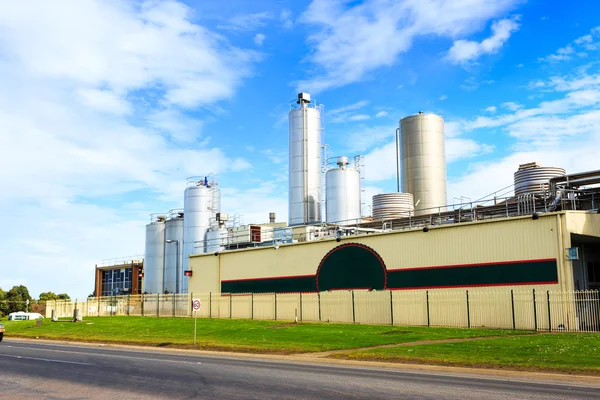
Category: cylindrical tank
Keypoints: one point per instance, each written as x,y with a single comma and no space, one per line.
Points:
532,178
216,239
198,202
173,251
342,194
393,205
423,161
305,163
154,255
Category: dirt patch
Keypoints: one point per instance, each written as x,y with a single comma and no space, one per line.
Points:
394,333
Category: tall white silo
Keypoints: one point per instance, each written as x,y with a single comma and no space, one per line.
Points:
342,194
423,161
198,209
305,162
173,251
154,254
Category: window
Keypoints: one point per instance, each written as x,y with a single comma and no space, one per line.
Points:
594,272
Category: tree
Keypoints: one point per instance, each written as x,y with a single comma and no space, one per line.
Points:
3,303
45,296
17,298
63,296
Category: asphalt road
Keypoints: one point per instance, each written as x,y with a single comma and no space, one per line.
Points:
53,371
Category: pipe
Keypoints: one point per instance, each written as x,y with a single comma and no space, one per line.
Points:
398,158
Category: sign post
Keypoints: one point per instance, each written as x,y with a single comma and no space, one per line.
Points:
196,304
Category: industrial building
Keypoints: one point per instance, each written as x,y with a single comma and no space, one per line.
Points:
119,276
543,233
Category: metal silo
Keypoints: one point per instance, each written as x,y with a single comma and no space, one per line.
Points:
173,251
423,161
343,194
532,178
305,162
154,253
198,203
393,205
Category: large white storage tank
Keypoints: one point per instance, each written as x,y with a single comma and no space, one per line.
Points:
198,209
343,194
305,162
423,161
393,205
154,254
173,251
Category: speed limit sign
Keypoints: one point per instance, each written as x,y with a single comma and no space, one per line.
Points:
196,304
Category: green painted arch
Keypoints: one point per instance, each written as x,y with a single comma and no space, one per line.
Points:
351,266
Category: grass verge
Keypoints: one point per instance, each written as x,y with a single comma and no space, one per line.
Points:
237,335
566,352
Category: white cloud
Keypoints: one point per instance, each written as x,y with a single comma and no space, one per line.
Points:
93,111
359,117
351,42
512,106
259,38
246,22
467,51
355,106
381,114
589,42
286,17
443,97
470,84
491,109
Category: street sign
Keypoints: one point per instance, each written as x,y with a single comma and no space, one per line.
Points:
196,304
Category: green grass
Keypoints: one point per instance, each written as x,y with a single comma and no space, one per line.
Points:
565,352
237,335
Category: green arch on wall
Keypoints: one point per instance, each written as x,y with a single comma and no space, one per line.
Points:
351,266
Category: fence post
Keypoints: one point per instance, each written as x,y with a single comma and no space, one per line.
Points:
209,305
275,306
128,302
252,305
468,312
427,298
98,298
319,301
300,306
158,305
512,303
391,307
549,317
534,312
353,308
230,305
143,302
173,304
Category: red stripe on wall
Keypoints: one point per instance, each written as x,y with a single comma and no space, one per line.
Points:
476,285
269,278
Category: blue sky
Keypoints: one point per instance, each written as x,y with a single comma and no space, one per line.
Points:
107,106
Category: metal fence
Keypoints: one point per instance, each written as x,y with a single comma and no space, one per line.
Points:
501,309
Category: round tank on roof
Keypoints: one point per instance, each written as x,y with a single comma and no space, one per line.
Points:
304,162
154,253
342,194
216,239
423,161
393,205
198,207
173,251
532,178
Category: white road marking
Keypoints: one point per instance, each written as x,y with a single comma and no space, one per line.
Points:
108,355
44,359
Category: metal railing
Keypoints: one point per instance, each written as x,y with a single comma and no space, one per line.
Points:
541,310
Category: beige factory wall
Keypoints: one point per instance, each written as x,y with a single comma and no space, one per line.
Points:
583,223
469,243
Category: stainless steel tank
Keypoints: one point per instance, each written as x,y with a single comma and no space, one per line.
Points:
532,178
198,203
154,254
305,162
173,251
423,161
342,194
216,239
393,205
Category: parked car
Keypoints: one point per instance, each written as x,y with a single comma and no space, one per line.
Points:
1,331
23,316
